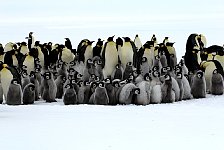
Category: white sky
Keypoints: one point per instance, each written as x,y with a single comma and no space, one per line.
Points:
53,20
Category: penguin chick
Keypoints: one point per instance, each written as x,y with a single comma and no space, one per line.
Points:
198,88
70,96
168,95
127,93
29,94
216,83
100,95
14,95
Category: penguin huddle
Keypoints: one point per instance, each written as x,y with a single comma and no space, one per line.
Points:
113,72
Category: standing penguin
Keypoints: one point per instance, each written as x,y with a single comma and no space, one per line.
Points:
84,93
216,87
145,90
187,88
179,79
30,40
70,95
144,66
29,94
173,55
60,86
14,95
168,95
198,88
156,93
128,70
109,57
29,62
49,87
6,78
166,39
110,92
100,95
118,72
34,80
127,51
137,42
98,48
68,44
2,53
25,79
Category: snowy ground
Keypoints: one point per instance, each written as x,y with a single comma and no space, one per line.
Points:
191,125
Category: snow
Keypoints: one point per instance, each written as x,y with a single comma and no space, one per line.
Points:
193,124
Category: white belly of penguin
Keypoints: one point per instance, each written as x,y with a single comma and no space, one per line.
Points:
111,59
6,78
67,55
149,54
15,61
29,62
88,53
208,74
126,54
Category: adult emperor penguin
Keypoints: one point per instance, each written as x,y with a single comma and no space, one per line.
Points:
154,39
68,44
109,57
29,62
30,40
29,94
11,52
127,51
145,90
70,95
100,95
67,55
2,53
216,87
198,88
98,48
166,39
6,78
168,95
14,95
137,42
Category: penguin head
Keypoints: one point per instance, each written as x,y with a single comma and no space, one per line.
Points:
216,71
144,59
200,74
93,85
31,33
147,77
24,73
70,71
167,77
135,72
99,62
170,44
178,69
72,63
119,41
155,68
181,63
110,39
32,74
118,66
86,83
136,91
108,80
47,75
129,64
79,75
179,75
157,57
93,77
72,81
156,73
99,43
168,68
15,81
89,62
81,83
127,39
116,83
101,84
32,87
164,70
68,86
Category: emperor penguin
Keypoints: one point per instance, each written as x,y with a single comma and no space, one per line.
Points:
128,70
60,86
70,95
118,72
84,93
67,56
100,95
6,78
173,55
166,39
198,88
119,44
145,90
144,66
14,95
50,88
29,62
137,42
110,92
209,67
127,51
216,87
156,93
186,88
168,95
25,79
2,53
98,48
109,57
29,94
36,83
163,59
128,94
179,79
23,48
30,40
99,66
149,52
68,44
183,66
93,86
154,39
11,53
